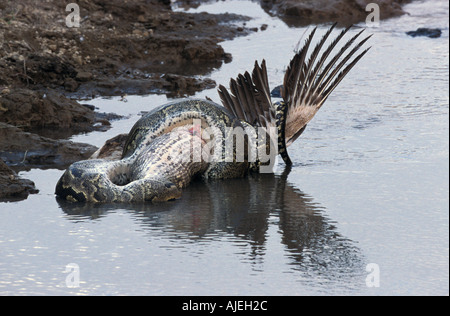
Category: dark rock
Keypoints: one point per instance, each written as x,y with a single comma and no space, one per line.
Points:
12,187
27,108
432,33
84,76
71,85
28,150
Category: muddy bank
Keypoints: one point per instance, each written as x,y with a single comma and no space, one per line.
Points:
117,44
25,150
345,12
36,110
12,187
132,47
28,108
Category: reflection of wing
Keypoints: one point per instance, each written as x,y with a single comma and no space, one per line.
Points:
307,84
250,99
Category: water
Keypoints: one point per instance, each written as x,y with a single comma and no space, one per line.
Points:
369,185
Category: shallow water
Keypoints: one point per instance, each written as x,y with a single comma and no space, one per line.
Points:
369,185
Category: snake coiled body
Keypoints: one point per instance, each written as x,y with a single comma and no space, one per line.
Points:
159,157
176,142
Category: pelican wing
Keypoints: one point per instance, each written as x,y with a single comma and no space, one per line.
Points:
309,80
250,97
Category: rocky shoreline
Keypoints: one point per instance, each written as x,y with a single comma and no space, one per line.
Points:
120,47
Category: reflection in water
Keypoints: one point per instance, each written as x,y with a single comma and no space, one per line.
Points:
245,209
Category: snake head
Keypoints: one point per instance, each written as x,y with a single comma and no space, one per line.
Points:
166,191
